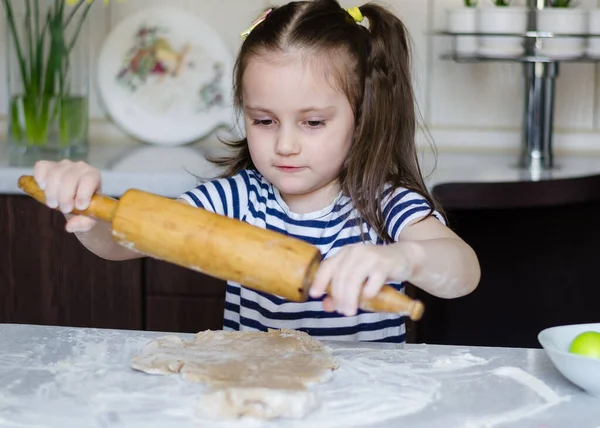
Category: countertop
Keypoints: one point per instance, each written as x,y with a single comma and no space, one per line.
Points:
71,377
170,171
166,171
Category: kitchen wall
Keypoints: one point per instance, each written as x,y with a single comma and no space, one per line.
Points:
465,106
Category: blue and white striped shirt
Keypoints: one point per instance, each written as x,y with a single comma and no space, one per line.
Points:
249,197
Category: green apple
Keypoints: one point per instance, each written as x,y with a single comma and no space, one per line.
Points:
587,344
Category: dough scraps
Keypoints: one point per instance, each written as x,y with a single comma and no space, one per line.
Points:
256,374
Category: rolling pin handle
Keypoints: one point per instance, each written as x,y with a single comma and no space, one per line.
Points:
101,207
394,301
416,311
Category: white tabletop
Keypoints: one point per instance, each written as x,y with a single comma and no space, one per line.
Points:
170,171
67,377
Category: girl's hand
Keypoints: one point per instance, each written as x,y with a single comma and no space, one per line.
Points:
351,267
68,185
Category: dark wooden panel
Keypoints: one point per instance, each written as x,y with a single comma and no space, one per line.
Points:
48,277
537,245
184,314
166,278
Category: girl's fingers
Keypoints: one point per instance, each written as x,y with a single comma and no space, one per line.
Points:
68,185
53,183
321,279
356,268
350,298
67,190
345,288
40,172
80,224
328,304
373,285
88,185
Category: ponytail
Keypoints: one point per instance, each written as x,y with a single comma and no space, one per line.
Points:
386,121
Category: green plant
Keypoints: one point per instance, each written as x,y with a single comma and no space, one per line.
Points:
501,3
561,3
43,49
470,3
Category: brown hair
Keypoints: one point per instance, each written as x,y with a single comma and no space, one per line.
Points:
374,72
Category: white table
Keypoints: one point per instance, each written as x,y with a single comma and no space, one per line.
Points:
67,377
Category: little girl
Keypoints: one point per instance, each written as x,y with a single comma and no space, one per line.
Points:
329,157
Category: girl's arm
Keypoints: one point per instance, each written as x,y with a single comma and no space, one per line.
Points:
432,257
428,255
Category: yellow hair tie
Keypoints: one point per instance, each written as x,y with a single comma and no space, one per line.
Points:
356,14
255,23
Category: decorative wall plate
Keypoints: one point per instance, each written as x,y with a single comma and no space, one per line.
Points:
164,77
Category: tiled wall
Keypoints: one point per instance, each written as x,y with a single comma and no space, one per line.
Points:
468,106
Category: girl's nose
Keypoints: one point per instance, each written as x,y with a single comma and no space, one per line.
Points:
287,143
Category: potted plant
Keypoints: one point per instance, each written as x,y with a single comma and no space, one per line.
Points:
593,49
502,18
463,20
48,68
562,17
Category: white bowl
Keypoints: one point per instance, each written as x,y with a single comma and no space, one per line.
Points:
582,371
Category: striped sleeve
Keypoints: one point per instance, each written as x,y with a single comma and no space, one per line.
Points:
224,196
401,207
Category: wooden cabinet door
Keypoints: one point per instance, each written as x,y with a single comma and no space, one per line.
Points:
47,277
182,300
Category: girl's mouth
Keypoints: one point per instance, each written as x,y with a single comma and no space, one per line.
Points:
288,168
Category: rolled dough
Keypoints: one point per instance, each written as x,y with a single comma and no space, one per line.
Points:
263,375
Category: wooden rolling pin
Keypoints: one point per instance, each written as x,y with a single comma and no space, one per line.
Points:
219,246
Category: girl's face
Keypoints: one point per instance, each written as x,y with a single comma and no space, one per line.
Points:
299,127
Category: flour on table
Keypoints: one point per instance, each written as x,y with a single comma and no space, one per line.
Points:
262,375
548,399
457,361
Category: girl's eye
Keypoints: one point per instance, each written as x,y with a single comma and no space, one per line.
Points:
315,123
263,122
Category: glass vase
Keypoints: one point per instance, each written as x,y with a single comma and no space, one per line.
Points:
48,93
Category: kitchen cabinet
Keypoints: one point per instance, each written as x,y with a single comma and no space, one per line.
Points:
47,277
179,299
